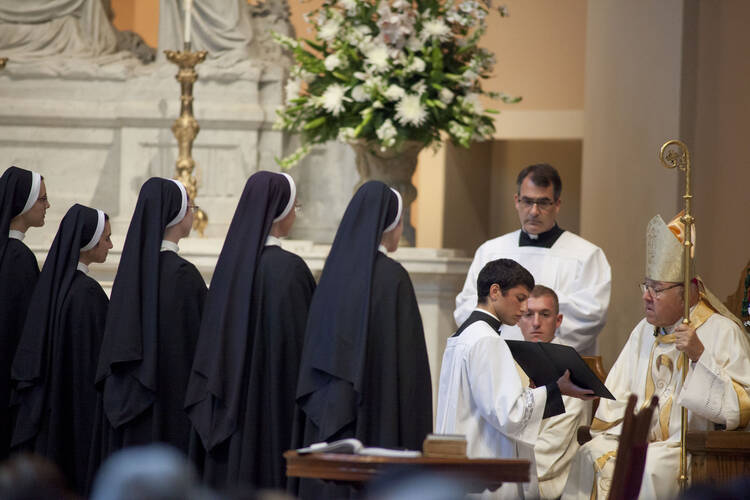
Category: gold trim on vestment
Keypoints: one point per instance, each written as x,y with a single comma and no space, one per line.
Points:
600,425
744,403
664,418
599,464
700,313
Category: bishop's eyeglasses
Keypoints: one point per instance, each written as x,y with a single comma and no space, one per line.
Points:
655,292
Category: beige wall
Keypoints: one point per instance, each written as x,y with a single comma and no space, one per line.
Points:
680,70
633,81
140,16
720,151
540,53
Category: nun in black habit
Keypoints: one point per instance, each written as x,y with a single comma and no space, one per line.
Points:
364,370
23,203
55,363
152,326
242,388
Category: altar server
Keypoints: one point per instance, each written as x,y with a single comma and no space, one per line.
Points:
240,396
716,391
364,371
557,444
152,325
23,204
482,394
55,363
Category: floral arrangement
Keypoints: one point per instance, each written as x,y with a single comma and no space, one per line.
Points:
389,71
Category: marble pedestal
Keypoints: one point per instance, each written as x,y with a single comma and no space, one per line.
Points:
437,274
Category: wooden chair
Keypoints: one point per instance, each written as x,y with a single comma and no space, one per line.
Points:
595,363
631,451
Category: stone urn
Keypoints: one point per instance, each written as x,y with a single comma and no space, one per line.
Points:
395,167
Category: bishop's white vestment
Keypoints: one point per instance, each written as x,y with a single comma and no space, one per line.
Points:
715,392
482,396
575,269
557,444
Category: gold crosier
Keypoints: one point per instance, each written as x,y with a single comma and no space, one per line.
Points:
185,128
675,154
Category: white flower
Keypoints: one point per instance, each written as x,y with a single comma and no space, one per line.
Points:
349,5
474,102
409,111
417,65
303,75
329,30
333,99
387,133
401,4
394,93
363,29
446,96
419,88
469,77
377,57
359,93
414,44
435,28
375,84
377,105
332,62
361,75
458,130
346,134
293,88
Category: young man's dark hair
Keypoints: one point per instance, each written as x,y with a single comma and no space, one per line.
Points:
543,291
506,273
542,175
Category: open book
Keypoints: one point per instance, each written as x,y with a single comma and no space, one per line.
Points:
545,362
354,446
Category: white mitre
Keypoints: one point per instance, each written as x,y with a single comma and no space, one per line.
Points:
664,259
664,250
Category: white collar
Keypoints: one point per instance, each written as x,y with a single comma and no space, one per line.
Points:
272,240
18,235
83,268
169,246
487,313
381,248
666,330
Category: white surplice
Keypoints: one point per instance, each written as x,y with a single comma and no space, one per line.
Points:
575,269
482,396
715,392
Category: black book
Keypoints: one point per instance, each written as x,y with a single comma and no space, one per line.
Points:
544,363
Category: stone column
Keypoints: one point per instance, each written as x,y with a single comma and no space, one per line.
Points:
633,103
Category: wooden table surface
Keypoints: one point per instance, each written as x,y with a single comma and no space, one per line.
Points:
357,469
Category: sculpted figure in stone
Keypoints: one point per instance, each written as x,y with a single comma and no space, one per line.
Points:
65,38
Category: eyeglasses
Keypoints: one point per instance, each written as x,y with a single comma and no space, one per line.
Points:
654,292
544,204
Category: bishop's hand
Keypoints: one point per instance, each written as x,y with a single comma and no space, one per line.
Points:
568,388
687,341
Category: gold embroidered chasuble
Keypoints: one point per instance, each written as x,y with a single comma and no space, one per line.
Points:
716,393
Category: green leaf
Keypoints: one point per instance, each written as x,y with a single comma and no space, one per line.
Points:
314,123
